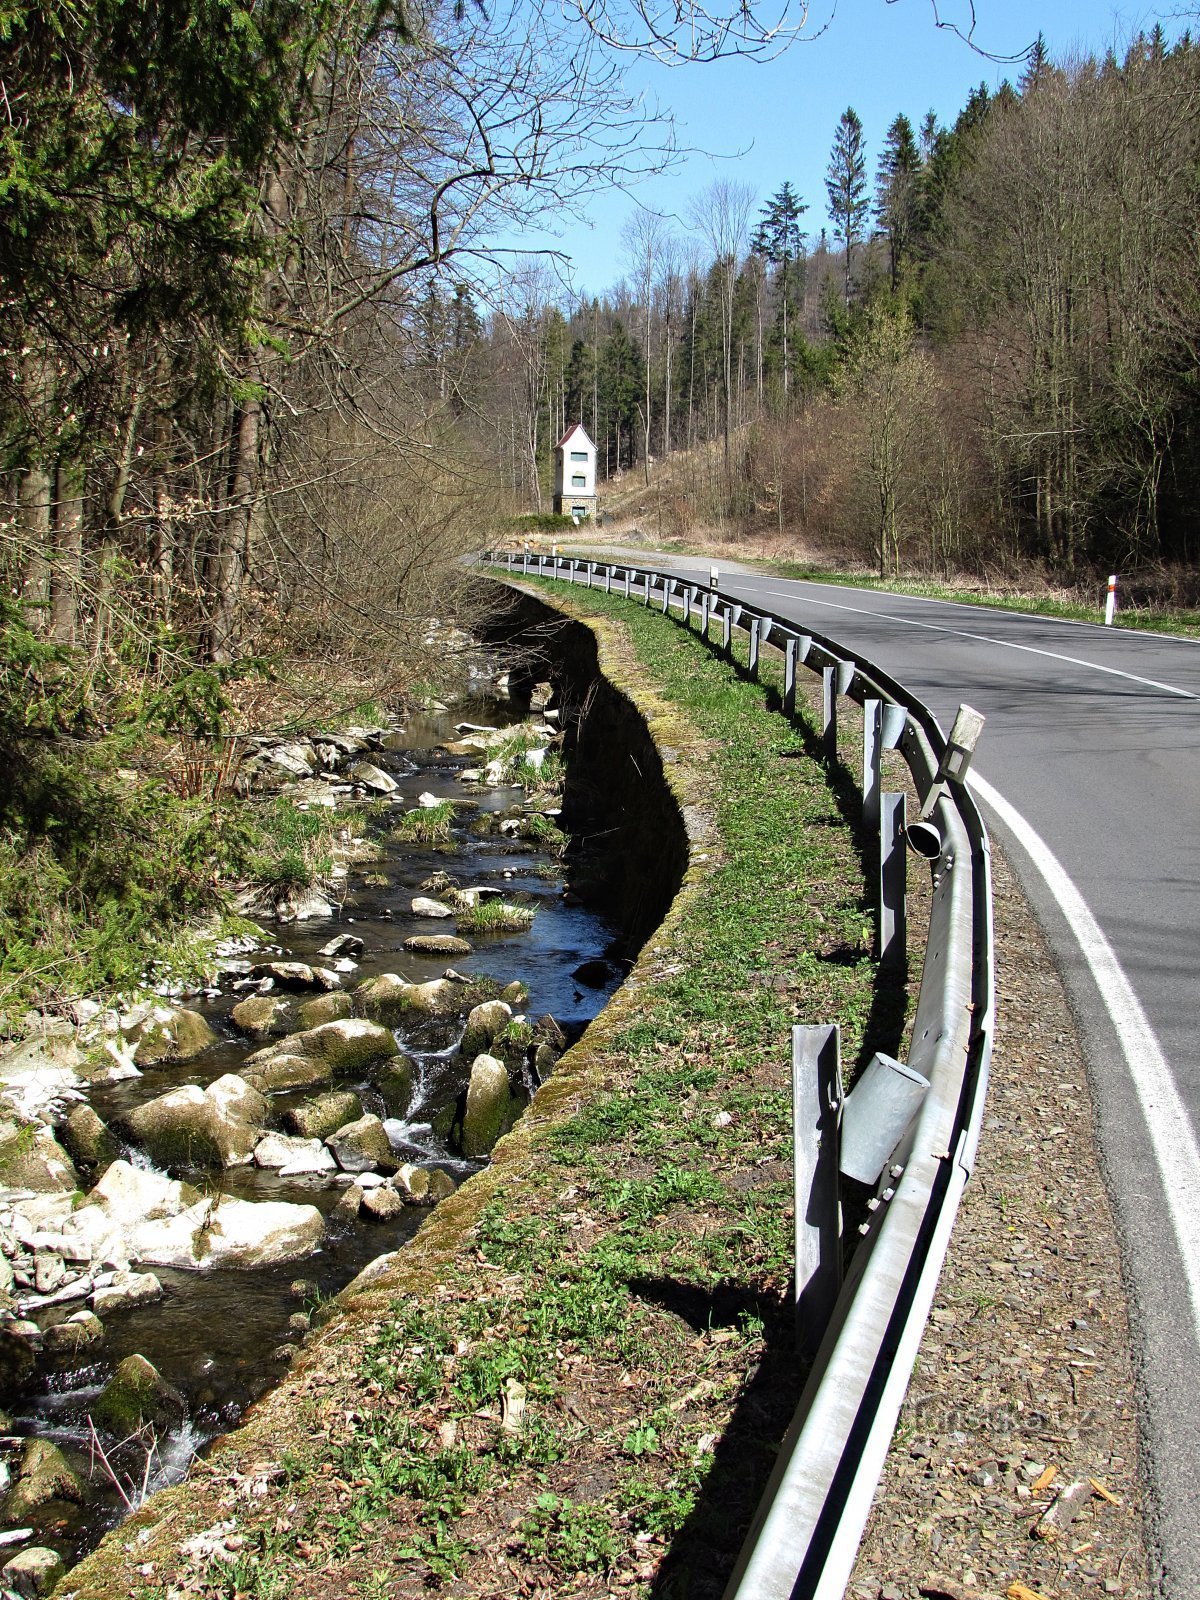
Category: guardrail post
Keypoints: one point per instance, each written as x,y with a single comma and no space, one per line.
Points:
752,665
872,752
816,1108
689,600
591,572
829,711
732,615
704,605
893,860
726,631
628,582
668,585
789,678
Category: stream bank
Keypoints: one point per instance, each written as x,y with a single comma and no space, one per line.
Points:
218,1339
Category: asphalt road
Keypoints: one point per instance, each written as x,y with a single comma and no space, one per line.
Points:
1090,774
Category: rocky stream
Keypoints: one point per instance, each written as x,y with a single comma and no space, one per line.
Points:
186,1182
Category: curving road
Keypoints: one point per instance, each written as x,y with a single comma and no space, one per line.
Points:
1089,769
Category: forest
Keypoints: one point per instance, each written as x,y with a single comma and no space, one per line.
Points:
268,376
987,364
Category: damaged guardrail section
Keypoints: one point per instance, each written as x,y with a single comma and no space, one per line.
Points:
911,1128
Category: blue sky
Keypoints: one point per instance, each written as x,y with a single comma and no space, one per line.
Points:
764,123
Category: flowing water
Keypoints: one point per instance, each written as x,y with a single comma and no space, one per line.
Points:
223,1337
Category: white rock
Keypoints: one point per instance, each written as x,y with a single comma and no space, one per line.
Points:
423,906
292,1156
230,1233
234,1097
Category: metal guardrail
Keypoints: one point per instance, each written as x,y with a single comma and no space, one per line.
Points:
808,1527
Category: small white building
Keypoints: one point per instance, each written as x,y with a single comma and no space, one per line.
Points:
575,474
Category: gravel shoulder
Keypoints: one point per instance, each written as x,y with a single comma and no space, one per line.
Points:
1025,1382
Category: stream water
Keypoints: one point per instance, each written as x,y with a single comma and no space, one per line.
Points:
217,1335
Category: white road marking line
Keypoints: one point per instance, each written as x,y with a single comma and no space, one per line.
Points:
983,638
1167,1121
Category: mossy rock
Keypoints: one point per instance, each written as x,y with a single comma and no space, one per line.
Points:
86,1138
33,1572
185,1128
18,1361
171,1033
491,1109
325,1008
276,1073
484,1025
44,1475
137,1394
32,1158
387,998
264,1016
395,1085
347,1044
317,1119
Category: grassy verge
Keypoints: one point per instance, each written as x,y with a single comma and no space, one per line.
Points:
575,1379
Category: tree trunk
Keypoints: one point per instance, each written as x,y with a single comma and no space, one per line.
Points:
33,529
68,551
227,564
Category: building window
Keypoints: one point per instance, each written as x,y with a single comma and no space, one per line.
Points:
580,511
579,455
579,481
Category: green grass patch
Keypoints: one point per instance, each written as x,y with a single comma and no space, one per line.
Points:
428,825
494,916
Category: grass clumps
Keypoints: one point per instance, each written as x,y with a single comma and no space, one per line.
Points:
494,916
431,826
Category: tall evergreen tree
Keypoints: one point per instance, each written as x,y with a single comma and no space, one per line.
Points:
778,239
846,185
897,193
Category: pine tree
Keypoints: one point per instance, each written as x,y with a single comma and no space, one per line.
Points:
1038,67
778,239
897,193
846,185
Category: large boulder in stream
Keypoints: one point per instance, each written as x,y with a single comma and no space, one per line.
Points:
292,1157
491,1108
324,1008
163,1033
390,998
32,1158
264,1016
485,1024
363,1146
278,1071
135,1396
87,1139
344,1046
44,1475
33,1572
230,1233
316,1119
395,1085
189,1127
386,998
